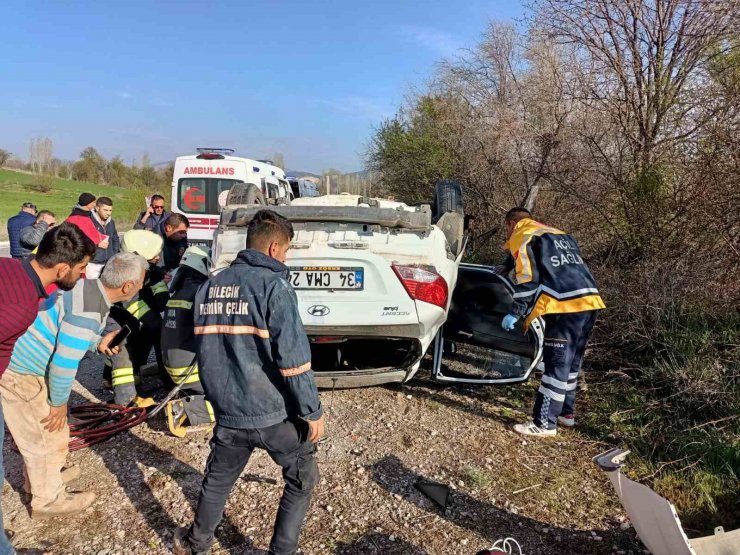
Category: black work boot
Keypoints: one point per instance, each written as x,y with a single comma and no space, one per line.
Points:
181,546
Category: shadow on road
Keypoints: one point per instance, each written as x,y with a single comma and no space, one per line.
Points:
375,543
144,472
493,523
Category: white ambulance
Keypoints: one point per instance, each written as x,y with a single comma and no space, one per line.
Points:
201,183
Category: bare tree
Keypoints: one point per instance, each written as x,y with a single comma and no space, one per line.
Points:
515,109
279,160
41,153
650,60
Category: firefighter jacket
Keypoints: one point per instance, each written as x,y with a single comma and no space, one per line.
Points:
147,305
178,338
252,347
550,276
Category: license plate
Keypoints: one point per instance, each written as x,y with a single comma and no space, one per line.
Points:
328,277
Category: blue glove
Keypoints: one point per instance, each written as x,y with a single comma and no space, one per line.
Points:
509,322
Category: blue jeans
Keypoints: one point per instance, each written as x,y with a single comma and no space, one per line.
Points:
5,547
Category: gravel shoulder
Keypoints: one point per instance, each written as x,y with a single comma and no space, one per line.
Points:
546,494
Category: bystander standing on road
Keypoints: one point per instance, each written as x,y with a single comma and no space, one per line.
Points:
31,236
102,218
152,219
255,365
62,256
24,218
36,386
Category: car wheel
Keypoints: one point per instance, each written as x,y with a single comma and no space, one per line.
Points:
447,197
245,193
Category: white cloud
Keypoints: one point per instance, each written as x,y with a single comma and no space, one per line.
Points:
431,39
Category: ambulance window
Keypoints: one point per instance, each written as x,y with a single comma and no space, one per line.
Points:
192,196
203,195
222,191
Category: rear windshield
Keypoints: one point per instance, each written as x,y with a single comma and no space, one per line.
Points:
198,195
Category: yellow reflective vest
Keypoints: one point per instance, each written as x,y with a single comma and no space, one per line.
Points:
550,276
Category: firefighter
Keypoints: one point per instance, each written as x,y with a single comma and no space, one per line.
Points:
142,315
178,344
551,280
256,363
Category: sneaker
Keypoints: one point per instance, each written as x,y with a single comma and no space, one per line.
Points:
67,504
502,547
567,420
532,429
176,418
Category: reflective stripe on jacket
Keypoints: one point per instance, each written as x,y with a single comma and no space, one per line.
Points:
252,349
550,274
178,338
153,297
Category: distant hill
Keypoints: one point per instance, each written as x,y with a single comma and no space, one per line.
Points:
297,173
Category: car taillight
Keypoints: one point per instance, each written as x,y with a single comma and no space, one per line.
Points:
423,284
327,339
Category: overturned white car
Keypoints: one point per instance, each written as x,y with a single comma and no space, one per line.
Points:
375,281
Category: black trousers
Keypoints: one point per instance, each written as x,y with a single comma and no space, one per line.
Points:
566,336
230,451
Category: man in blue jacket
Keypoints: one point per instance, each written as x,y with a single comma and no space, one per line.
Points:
254,361
26,217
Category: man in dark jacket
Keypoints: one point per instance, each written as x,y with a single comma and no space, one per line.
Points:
31,236
103,220
85,204
24,218
152,219
551,280
255,364
175,233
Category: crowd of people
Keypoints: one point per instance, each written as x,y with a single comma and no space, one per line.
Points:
232,342
75,287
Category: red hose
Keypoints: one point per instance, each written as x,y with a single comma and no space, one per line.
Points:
97,422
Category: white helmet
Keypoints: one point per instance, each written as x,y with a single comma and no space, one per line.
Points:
197,258
143,242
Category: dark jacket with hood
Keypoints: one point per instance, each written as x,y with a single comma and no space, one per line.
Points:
253,352
78,211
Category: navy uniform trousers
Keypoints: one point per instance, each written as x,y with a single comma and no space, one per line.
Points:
566,336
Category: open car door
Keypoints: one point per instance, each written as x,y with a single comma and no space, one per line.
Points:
473,345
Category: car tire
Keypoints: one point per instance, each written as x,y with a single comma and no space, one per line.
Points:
245,193
447,197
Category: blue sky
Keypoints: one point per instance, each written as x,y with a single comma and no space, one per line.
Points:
308,79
